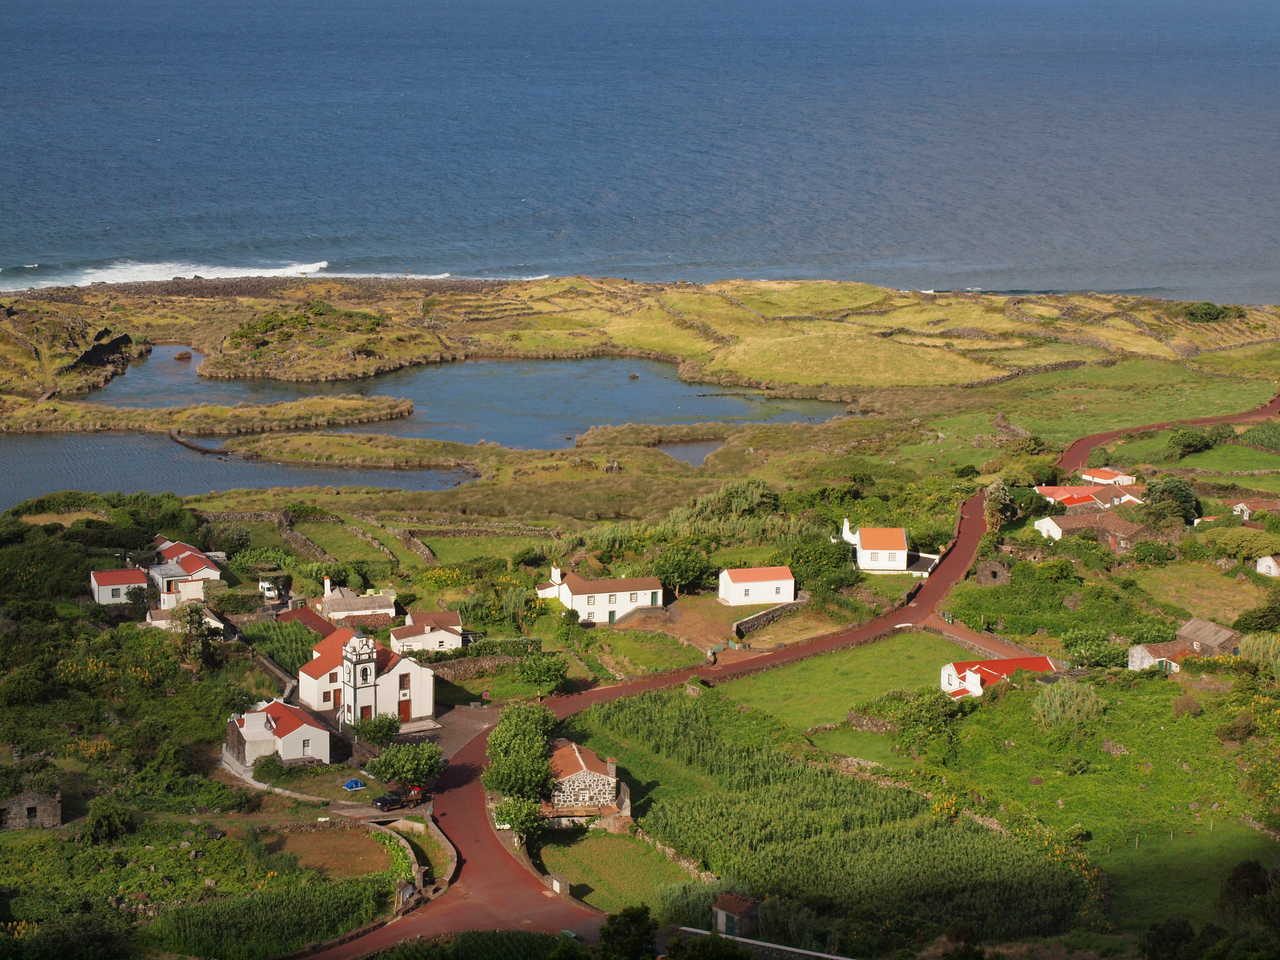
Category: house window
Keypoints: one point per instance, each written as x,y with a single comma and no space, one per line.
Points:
613,598
348,711
327,696
115,593
591,601
333,677
306,748
633,598
873,556
440,644
591,614
777,591
404,681
746,591
31,813
890,557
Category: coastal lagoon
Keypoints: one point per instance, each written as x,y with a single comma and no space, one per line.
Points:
538,404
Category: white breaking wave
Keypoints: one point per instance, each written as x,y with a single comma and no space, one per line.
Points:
134,271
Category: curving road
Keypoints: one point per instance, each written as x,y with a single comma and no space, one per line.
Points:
493,890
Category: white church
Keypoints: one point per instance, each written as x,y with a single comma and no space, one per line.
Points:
354,677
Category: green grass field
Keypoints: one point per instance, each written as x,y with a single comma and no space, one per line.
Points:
606,870
823,689
339,542
865,745
1201,589
1231,456
643,652
461,549
288,644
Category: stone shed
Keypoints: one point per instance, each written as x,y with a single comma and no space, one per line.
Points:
580,778
991,573
29,809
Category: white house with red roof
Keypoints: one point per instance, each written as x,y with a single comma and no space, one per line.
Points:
1101,496
968,678
602,601
885,550
1105,476
741,586
113,586
277,727
357,678
434,630
180,572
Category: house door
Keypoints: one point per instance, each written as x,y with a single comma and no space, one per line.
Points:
653,598
337,699
366,713
406,709
613,615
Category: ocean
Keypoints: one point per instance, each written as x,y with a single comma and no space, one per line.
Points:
1119,145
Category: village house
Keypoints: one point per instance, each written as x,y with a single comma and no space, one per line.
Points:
1245,509
343,607
1195,638
1092,497
885,550
1119,535
1106,476
748,585
356,678
602,601
113,586
1269,566
163,619
733,915
436,630
30,809
279,728
180,572
970,677
583,785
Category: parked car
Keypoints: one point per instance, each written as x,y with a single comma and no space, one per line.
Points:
400,797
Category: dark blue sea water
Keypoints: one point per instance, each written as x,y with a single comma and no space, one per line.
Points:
1003,144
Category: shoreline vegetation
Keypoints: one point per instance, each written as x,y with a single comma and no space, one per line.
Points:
833,341
220,420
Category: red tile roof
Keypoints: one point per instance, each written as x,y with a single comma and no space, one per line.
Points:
759,574
567,758
1050,492
285,718
119,578
177,549
993,670
195,562
330,655
449,621
309,619
735,904
882,538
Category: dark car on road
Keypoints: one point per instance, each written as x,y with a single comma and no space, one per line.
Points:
400,797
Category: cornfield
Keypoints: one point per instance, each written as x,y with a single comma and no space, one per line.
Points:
837,844
288,644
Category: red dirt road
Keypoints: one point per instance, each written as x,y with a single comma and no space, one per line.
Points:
493,890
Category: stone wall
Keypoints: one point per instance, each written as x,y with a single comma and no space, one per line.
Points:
464,668
766,617
31,810
584,789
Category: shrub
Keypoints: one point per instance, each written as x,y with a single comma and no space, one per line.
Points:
1067,709
270,769
1187,706
546,671
108,820
1093,648
1153,553
1206,311
522,815
1238,730
415,764
381,731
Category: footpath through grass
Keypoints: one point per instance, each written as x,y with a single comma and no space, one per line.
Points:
823,689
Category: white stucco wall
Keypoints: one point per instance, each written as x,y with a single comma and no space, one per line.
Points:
761,591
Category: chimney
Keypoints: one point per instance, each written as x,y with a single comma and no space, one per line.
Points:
611,765
328,586
555,575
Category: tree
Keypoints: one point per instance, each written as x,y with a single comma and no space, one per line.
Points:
523,815
381,731
819,565
1247,881
1185,441
414,764
196,636
682,565
524,771
1173,497
137,601
108,820
1088,647
546,671
999,505
628,935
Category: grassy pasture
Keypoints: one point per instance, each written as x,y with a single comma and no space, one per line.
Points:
607,870
823,689
338,541
643,652
1201,589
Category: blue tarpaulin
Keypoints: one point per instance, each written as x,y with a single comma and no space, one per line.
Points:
353,785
